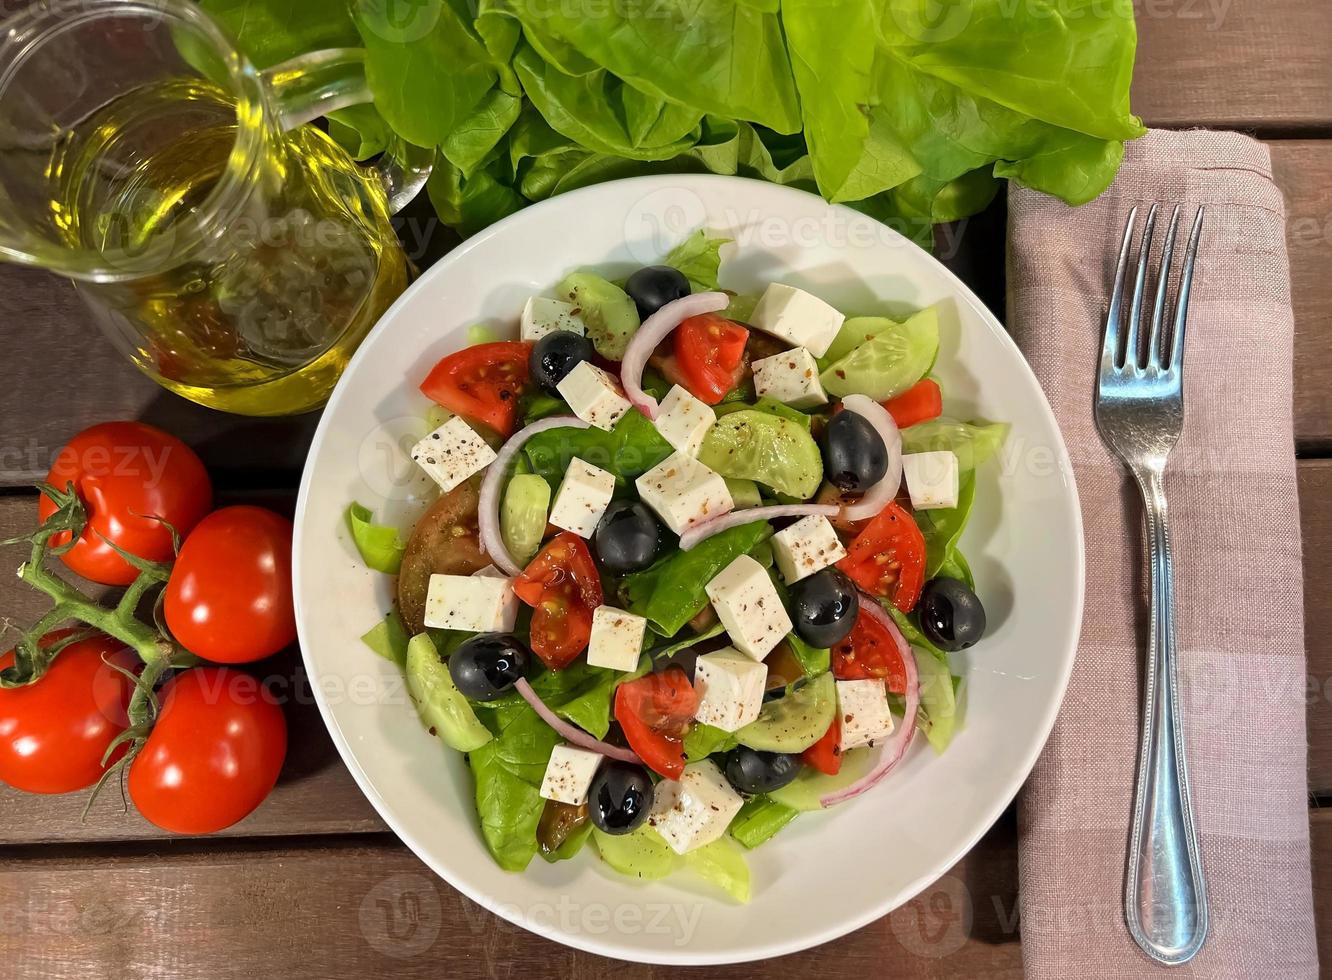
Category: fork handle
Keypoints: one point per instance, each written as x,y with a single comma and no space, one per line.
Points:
1164,895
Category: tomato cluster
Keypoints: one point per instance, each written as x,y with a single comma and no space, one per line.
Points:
206,747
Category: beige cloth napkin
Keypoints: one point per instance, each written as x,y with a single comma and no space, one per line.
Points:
1236,529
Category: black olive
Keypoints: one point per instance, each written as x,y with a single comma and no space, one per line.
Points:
752,771
854,456
653,287
555,355
824,607
488,665
628,537
620,797
951,615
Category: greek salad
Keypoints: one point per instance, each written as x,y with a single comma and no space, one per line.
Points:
693,569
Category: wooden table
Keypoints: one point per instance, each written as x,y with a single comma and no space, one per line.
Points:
313,885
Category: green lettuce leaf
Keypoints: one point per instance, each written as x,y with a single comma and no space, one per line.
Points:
759,819
723,864
703,740
972,442
381,547
628,451
943,528
699,258
670,592
507,772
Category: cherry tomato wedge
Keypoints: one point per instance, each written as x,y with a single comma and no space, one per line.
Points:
483,382
887,558
128,475
711,352
563,588
825,755
868,651
919,403
54,731
655,712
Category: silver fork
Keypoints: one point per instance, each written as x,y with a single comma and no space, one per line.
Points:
1139,412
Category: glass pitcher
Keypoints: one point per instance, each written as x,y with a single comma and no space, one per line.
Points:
235,254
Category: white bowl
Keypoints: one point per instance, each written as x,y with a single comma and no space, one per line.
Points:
828,873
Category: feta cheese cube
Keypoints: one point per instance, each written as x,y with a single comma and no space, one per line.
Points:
805,547
791,377
617,639
696,809
594,395
931,479
569,774
730,689
472,603
749,607
684,420
862,707
452,453
584,494
684,492
542,316
797,316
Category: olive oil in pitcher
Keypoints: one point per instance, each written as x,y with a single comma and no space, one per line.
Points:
252,268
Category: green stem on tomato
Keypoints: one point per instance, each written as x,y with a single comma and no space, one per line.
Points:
149,644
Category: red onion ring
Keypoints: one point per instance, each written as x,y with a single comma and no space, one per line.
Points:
895,747
572,733
708,528
653,332
877,497
492,542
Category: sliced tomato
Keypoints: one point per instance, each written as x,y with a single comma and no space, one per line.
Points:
655,712
919,403
482,383
869,651
563,588
710,350
825,755
887,558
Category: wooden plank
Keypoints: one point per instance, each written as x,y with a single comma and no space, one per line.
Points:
1234,64
378,911
1303,169
1316,524
315,795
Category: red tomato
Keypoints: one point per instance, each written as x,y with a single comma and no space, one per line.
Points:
213,755
127,474
482,382
887,558
869,650
919,403
711,352
229,596
563,588
655,712
54,732
825,755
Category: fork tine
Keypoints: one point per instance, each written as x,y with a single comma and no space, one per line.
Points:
1185,284
1110,347
1132,346
1156,355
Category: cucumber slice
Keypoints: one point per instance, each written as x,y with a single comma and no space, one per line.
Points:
855,331
606,309
442,707
804,792
888,363
768,449
744,493
523,515
795,722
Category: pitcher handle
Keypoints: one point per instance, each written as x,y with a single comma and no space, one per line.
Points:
315,84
